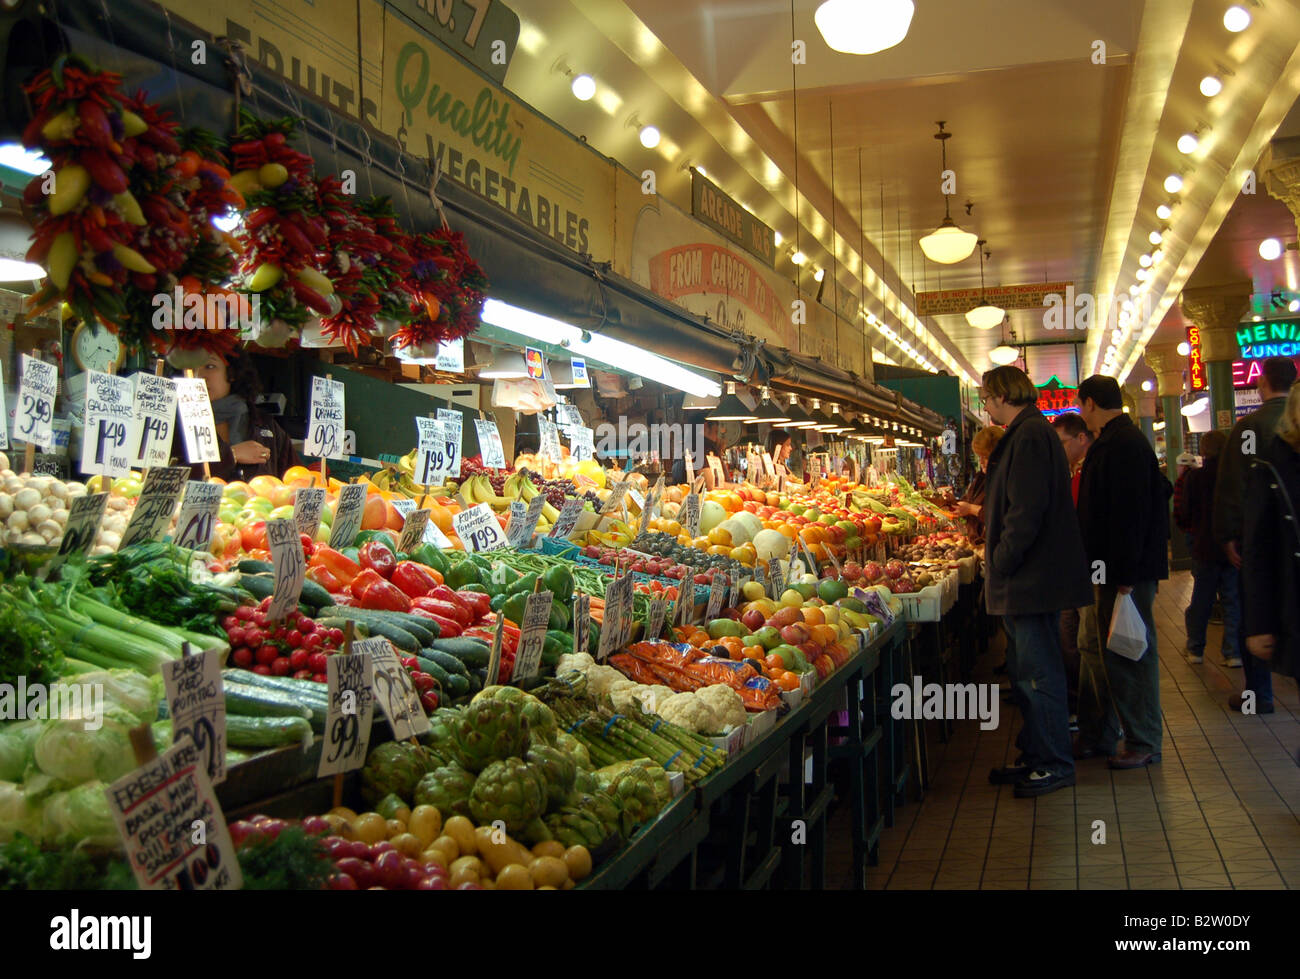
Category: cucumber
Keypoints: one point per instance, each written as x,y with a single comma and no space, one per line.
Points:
425,630
315,595
379,627
267,732
447,661
472,652
248,566
262,702
435,671
309,692
260,586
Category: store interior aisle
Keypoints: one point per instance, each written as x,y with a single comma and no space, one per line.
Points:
1222,810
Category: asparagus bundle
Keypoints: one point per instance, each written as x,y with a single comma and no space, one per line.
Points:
611,738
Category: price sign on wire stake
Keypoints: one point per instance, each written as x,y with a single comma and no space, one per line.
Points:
775,577
737,589
197,423
609,627
171,826
290,567
308,504
347,515
198,515
489,443
34,415
582,443
532,636
616,493
478,528
494,659
351,711
196,703
153,418
438,456
567,520
550,439
520,530
685,607
393,689
717,589
156,504
689,515
453,422
654,623
581,622
413,530
107,439
325,424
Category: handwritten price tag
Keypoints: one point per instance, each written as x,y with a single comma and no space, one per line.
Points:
581,622
717,589
478,529
308,504
568,519
157,502
582,443
532,636
417,521
84,517
515,525
196,702
494,658
654,623
489,443
689,516
550,439
198,516
351,711
715,467
451,356
394,691
347,515
153,415
290,567
737,589
325,419
775,577
38,384
109,414
197,423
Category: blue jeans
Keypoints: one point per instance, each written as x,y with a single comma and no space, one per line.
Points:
1038,683
1134,687
1208,580
1257,674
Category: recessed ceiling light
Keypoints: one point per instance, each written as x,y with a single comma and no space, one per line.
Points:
583,87
1173,183
819,275
1270,249
1211,86
1164,212
1236,19
1144,261
649,137
1147,385
1155,237
1187,143
854,27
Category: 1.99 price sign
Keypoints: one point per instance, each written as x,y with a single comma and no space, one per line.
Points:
478,528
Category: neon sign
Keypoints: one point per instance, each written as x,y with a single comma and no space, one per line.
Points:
1195,365
1054,398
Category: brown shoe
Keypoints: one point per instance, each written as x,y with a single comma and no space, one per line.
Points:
1134,759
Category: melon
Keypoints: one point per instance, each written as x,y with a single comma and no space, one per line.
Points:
771,544
739,532
751,521
711,514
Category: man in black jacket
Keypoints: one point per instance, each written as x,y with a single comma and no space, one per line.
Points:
1034,568
1124,513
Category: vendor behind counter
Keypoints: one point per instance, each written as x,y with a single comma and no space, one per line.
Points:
713,445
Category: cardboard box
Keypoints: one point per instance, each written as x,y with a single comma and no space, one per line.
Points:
732,742
792,698
807,681
677,782
759,725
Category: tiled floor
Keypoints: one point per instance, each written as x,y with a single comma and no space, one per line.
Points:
1222,810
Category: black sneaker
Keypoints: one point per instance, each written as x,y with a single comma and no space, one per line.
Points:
1009,775
1040,782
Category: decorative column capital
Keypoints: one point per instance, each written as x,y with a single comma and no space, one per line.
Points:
1169,366
1217,311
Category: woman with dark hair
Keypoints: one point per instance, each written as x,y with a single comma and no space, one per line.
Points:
781,447
250,440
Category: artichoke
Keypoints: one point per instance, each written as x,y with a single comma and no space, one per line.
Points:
541,719
441,739
393,768
584,783
557,768
634,788
575,827
567,742
446,788
488,731
511,791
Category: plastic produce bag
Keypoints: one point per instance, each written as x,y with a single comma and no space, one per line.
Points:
1128,633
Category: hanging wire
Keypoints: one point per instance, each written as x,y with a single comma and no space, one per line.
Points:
794,103
862,257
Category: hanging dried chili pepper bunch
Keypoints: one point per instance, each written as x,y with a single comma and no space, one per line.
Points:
283,236
393,272
356,251
86,219
449,288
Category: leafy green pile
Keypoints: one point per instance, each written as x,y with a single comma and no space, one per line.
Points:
153,581
293,861
26,867
29,646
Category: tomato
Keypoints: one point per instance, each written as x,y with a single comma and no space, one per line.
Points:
243,613
242,657
306,626
282,666
267,654
235,636
262,670
303,675
253,537
293,638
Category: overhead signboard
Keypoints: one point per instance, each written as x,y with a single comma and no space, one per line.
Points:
483,32
961,301
733,222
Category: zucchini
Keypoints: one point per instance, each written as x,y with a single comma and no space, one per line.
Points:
472,652
262,702
260,586
315,595
249,566
426,630
267,732
447,661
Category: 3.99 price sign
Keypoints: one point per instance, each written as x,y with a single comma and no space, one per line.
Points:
34,418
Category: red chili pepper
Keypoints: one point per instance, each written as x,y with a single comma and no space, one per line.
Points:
378,558
413,578
294,238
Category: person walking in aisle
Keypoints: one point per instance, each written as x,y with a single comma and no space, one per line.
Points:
1211,573
1271,548
1124,513
1249,437
1075,440
1035,567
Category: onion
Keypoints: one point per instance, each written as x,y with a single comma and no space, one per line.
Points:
38,513
18,520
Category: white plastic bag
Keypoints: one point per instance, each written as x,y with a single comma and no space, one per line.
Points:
1128,633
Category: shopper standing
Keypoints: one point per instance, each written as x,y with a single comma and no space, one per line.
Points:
1249,437
1034,568
971,504
1124,513
1075,440
1211,573
1271,549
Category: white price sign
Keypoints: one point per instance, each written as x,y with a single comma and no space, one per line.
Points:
737,589
413,528
351,710
775,577
325,412
582,443
689,515
550,439
308,504
197,423
347,515
156,504
154,412
568,518
581,622
37,386
198,516
523,523
532,636
715,467
453,422
478,529
290,567
84,516
196,702
438,456
451,356
107,439
489,443
615,500
394,691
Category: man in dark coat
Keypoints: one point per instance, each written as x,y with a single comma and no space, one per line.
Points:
1124,513
1034,568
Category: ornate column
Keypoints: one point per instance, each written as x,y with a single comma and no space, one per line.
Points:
1282,178
1144,405
1218,310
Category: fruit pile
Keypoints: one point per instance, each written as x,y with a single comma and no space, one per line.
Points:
670,549
295,646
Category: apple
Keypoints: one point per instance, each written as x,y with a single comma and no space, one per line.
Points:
260,504
753,619
283,495
795,633
811,650
894,568
769,637
281,513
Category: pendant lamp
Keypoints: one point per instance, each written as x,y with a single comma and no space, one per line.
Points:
766,413
795,416
822,422
1006,352
947,244
730,408
985,316
863,26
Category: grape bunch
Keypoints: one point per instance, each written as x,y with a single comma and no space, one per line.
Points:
557,490
498,480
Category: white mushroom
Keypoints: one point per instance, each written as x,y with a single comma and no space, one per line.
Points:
60,516
49,529
38,513
26,498
110,539
58,490
18,521
6,506
100,549
14,483
32,539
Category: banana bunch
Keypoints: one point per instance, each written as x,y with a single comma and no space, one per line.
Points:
407,463
478,489
520,487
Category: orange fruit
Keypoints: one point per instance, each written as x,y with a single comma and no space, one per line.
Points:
754,652
722,549
774,662
823,635
813,616
788,681
732,645
720,535
699,638
684,540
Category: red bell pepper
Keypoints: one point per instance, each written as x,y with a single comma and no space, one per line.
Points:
478,602
445,594
377,558
321,575
414,579
372,591
448,610
446,627
339,565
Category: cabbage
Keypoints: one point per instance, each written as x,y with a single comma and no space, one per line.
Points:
17,814
129,690
80,816
73,754
16,742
